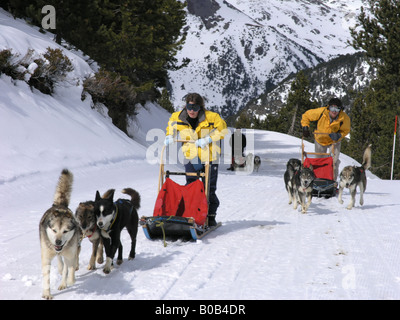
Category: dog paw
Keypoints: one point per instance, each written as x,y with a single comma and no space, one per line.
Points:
47,296
341,201
119,261
91,267
62,286
131,258
349,207
107,270
100,260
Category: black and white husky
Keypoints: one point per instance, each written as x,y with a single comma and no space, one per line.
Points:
302,184
112,217
60,236
292,166
352,177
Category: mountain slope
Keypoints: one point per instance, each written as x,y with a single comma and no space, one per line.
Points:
341,77
240,48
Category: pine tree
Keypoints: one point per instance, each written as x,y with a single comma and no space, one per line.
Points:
243,121
378,34
298,102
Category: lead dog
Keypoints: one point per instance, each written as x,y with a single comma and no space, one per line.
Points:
302,184
112,217
292,166
86,218
59,236
352,177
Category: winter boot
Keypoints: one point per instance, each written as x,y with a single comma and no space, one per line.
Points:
211,220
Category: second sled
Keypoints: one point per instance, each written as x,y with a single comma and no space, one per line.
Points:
324,184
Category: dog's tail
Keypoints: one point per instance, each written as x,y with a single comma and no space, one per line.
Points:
135,197
367,158
62,196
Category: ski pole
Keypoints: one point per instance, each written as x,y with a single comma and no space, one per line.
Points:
394,146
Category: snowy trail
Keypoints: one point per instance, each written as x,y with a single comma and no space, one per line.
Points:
264,249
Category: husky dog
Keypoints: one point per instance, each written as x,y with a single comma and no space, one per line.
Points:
59,236
86,218
302,184
257,163
292,166
352,176
112,217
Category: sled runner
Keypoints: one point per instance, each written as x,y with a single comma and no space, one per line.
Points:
180,211
323,185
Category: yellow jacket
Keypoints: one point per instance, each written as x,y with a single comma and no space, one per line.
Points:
341,124
210,124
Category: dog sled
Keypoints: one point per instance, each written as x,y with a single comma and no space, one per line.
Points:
180,211
324,184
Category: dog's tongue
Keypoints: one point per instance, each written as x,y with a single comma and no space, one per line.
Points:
58,248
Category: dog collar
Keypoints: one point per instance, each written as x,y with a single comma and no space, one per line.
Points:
93,230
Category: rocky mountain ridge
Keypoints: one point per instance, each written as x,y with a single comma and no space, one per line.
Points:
241,48
340,77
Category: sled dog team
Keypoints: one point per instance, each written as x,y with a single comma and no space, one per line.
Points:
101,221
299,182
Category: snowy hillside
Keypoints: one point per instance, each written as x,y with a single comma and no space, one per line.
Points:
240,48
264,249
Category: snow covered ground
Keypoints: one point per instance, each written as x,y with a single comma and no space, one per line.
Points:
264,249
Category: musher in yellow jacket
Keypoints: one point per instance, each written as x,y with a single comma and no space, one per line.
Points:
334,123
206,128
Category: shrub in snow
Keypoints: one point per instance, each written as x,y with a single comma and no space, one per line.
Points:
40,72
10,66
114,91
50,70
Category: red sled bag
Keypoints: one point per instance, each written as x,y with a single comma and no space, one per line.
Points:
322,167
187,201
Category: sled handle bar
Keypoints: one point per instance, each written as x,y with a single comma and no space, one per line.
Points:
163,173
304,154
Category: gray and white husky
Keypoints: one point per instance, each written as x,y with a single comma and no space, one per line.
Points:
352,176
302,184
60,236
86,218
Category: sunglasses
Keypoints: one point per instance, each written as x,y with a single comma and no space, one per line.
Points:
192,107
334,108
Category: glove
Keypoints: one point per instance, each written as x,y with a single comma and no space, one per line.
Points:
168,140
335,136
306,132
203,142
